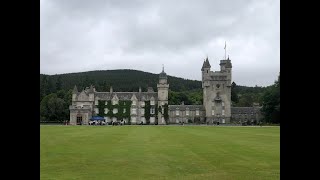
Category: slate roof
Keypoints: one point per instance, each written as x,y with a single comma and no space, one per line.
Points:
184,107
244,110
126,95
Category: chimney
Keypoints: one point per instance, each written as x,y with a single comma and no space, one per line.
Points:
111,90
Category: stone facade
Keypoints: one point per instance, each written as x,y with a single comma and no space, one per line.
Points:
216,102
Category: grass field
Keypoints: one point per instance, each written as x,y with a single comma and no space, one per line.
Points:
159,152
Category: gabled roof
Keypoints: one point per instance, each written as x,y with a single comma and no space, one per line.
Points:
126,95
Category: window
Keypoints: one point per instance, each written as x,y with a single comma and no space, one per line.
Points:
222,112
115,111
133,103
114,102
162,103
96,110
223,121
152,119
151,110
134,111
212,112
177,112
142,103
197,112
96,102
142,111
124,110
152,102
106,110
222,103
79,120
106,103
133,119
187,112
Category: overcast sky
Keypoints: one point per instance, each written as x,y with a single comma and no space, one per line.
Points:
85,35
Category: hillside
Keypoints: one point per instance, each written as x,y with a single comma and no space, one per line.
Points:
120,80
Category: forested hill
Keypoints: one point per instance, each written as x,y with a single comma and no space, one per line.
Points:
120,80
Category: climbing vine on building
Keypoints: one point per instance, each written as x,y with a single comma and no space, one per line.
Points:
123,108
147,114
165,113
101,106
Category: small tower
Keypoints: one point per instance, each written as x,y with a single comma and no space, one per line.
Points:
91,93
226,67
205,70
74,93
163,90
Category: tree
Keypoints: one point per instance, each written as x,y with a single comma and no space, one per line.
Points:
234,95
53,108
271,103
59,83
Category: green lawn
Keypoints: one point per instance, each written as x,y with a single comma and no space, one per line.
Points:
159,152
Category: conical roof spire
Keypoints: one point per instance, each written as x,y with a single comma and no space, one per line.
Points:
206,64
91,89
75,89
163,75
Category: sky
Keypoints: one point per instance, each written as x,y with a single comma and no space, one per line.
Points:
82,35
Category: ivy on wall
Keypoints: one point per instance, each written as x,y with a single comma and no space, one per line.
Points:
147,114
124,108
165,113
121,106
147,111
101,106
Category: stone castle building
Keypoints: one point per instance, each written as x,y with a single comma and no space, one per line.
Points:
216,103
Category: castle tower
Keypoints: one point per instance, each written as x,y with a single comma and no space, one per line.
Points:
207,102
163,90
217,91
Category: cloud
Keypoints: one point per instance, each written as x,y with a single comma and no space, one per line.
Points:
81,35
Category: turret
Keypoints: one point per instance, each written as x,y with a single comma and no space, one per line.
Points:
91,93
205,72
226,66
74,93
163,77
206,67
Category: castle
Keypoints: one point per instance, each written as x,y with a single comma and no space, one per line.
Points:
152,107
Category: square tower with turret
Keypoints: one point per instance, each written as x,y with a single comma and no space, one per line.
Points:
217,91
163,91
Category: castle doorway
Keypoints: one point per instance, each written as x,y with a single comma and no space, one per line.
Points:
79,120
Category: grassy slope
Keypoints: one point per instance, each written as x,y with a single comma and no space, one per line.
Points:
159,152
